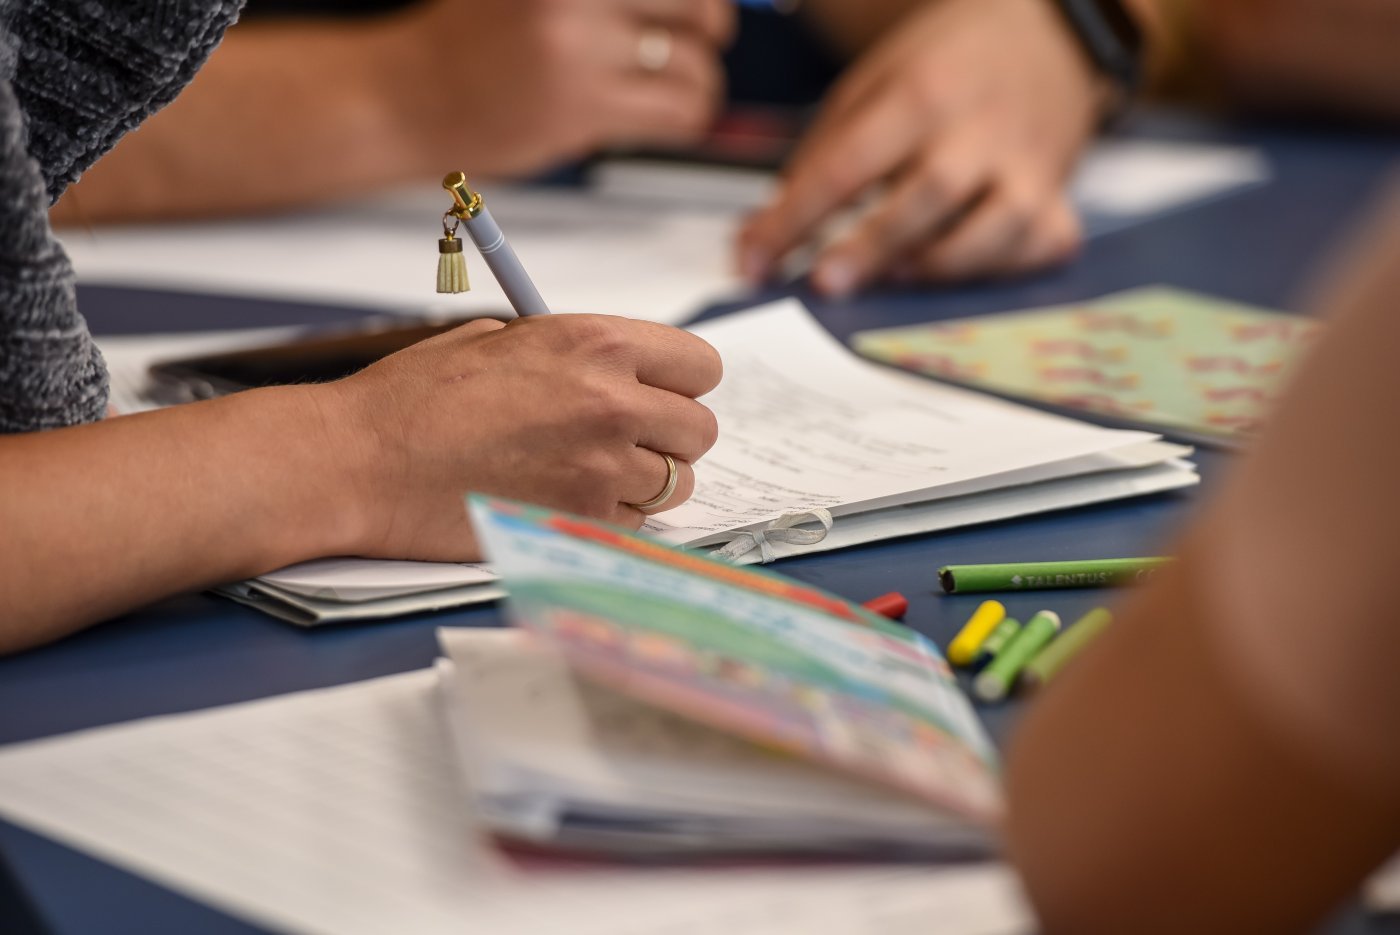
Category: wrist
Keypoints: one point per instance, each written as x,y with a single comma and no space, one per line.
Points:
1109,38
336,474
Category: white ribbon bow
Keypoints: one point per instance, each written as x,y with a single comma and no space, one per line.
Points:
781,529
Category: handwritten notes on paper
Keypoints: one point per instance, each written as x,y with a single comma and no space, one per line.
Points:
806,425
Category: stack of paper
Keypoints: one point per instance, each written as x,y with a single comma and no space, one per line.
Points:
805,425
345,589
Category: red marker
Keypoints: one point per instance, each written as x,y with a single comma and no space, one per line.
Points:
892,605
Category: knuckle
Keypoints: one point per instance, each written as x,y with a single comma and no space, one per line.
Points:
598,475
600,337
609,411
592,485
474,329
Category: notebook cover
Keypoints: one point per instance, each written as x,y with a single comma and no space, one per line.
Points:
1158,357
744,651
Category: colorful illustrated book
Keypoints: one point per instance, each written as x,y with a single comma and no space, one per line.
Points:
1157,357
782,718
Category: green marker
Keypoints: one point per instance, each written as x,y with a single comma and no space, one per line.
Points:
1069,644
998,640
1044,576
996,680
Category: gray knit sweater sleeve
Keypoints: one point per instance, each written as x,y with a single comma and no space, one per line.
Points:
50,373
74,76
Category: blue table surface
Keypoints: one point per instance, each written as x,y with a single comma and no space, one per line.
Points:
197,651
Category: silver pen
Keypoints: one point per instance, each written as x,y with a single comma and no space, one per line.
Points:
489,239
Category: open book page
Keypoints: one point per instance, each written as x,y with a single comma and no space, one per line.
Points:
804,424
540,743
340,812
763,657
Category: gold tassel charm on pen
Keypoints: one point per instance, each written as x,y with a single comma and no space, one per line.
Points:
452,263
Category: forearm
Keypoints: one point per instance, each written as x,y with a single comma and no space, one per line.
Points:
283,114
1227,758
1149,795
106,517
1300,56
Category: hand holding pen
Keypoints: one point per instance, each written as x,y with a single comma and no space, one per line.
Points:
471,210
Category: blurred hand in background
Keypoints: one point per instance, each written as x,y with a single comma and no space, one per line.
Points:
291,111
959,127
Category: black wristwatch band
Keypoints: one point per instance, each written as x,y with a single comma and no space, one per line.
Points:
1112,39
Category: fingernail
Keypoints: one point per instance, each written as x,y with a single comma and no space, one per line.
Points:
836,277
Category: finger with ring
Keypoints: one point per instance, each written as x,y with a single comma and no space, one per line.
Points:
666,491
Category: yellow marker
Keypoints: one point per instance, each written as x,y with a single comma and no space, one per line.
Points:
963,650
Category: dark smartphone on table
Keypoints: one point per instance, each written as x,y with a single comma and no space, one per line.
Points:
319,357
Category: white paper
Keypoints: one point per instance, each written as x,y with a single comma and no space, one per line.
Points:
1382,892
805,424
648,241
311,611
1120,182
354,580
584,253
993,506
338,811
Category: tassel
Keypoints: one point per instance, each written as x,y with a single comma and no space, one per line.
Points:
452,263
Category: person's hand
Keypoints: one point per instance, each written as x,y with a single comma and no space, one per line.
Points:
961,127
572,412
519,85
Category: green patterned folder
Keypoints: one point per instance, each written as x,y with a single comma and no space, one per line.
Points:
1157,356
